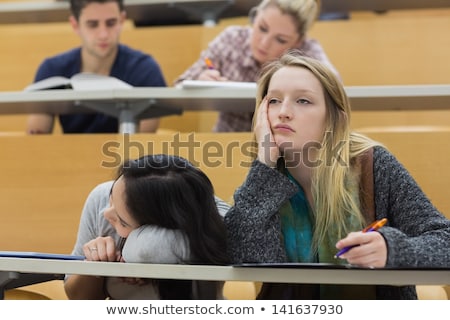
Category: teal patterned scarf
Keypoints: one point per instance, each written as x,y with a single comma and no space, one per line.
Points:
297,225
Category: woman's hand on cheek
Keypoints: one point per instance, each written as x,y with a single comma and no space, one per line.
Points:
100,249
268,151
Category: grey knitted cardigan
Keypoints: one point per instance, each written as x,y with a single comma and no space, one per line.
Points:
417,234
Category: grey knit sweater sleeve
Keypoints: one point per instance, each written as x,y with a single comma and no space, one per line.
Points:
253,224
417,234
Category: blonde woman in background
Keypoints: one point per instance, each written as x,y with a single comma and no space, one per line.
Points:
239,52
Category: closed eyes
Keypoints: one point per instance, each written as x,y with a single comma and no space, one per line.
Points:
278,39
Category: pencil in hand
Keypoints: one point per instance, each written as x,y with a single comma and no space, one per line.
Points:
209,64
371,227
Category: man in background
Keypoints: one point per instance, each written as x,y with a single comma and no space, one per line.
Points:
99,24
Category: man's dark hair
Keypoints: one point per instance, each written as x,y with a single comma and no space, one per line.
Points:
77,5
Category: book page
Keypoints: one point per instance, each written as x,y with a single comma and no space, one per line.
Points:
39,255
189,84
91,81
56,82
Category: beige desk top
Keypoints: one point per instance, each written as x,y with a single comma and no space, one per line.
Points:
129,105
362,98
307,274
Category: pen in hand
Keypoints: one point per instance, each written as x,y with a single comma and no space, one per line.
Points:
212,73
209,64
371,227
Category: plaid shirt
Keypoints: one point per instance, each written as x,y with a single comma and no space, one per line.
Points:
231,55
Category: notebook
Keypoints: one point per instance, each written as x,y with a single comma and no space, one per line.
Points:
39,255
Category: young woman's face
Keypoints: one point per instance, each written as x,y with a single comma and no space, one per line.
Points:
296,109
117,214
273,33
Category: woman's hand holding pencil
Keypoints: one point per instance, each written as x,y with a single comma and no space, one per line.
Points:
211,73
364,248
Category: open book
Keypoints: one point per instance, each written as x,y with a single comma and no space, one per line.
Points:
80,81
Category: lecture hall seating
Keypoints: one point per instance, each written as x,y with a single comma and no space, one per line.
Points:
368,49
47,178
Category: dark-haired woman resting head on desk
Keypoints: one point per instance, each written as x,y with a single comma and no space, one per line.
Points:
160,209
315,185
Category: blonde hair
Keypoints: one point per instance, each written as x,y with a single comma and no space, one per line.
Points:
336,181
303,12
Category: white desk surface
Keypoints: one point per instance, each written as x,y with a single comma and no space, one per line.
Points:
130,105
228,273
174,100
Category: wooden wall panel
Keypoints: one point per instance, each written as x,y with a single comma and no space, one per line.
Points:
47,178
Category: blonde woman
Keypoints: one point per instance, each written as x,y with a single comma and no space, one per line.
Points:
315,185
239,52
